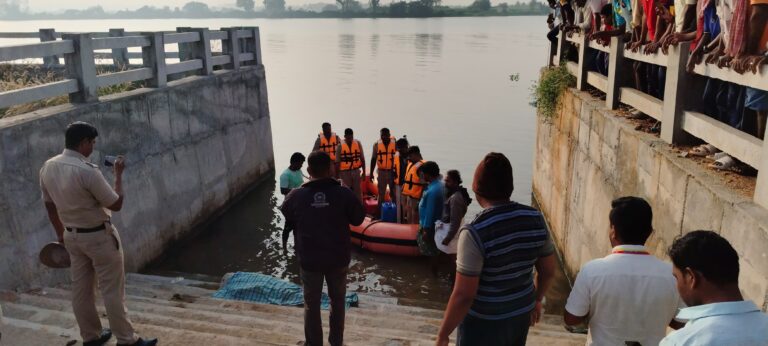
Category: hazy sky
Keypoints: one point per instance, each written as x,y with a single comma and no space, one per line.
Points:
110,5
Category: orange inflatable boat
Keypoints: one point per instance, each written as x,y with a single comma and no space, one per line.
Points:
386,237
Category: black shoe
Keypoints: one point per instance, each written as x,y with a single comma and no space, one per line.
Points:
142,342
106,334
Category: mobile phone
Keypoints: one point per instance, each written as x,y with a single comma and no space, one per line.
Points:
109,160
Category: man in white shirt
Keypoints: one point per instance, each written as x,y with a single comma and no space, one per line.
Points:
706,268
629,296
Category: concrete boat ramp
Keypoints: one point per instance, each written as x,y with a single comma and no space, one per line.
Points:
183,312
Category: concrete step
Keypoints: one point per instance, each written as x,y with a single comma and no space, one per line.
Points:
182,312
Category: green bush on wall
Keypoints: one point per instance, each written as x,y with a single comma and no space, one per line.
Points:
546,94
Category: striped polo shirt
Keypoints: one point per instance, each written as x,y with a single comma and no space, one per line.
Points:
511,238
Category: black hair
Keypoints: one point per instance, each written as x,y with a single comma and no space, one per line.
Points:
430,168
318,162
455,175
297,157
348,131
326,125
77,132
707,253
401,142
631,218
384,130
607,10
414,150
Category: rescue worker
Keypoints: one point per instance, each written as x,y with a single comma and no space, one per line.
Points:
79,202
413,186
328,142
384,159
349,161
401,164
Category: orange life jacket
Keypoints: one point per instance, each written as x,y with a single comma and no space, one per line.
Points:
329,145
385,155
413,186
350,157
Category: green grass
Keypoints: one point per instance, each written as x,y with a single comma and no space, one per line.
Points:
547,93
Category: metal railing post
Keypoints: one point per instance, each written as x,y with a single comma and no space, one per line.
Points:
677,90
81,66
615,71
231,47
47,35
119,55
153,56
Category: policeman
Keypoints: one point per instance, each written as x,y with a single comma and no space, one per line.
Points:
349,161
79,202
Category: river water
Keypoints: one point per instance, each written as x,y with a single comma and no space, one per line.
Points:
443,82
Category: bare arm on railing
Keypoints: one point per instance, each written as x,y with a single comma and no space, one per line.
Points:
753,59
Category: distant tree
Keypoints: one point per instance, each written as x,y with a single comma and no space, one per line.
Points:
247,5
398,9
330,8
274,6
503,7
481,5
374,4
196,8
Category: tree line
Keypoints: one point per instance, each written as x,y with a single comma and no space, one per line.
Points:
279,9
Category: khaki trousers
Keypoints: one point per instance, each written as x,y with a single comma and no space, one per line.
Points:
412,210
386,178
98,257
400,203
351,179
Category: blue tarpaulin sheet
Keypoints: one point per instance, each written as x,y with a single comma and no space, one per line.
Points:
265,289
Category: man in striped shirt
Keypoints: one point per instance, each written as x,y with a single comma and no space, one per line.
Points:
497,296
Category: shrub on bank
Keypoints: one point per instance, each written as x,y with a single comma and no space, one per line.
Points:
547,93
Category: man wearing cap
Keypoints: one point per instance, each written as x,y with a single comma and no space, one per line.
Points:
494,299
79,202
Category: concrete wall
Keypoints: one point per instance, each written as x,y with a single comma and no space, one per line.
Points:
190,147
587,156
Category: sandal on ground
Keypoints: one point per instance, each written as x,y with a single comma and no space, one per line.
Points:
703,150
717,156
725,163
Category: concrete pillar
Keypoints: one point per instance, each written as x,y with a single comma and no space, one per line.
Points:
231,47
47,35
257,45
561,44
119,55
81,66
761,190
616,72
153,56
184,48
584,62
202,50
677,90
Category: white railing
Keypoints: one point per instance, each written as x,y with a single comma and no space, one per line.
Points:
240,47
674,111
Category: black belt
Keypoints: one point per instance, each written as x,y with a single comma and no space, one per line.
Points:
87,230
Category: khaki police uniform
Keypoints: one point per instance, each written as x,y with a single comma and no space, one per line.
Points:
81,193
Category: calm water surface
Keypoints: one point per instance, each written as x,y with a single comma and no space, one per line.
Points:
443,82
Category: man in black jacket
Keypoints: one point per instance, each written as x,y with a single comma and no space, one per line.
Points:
321,212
